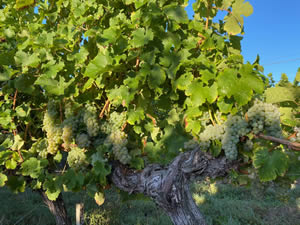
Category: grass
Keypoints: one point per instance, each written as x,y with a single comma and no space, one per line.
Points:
221,204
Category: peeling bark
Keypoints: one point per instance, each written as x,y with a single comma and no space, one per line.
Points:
57,208
169,186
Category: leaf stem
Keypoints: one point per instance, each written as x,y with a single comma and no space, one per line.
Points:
26,131
14,108
211,117
104,108
152,118
207,18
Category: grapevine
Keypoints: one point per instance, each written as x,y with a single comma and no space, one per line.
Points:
136,85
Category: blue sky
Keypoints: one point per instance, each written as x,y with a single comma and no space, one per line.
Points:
273,32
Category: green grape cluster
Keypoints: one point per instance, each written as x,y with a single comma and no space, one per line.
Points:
297,137
121,154
68,110
211,133
53,131
67,133
118,140
265,117
90,120
76,158
235,127
115,122
40,147
82,140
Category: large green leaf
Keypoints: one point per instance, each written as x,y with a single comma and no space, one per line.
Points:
53,87
240,86
24,59
279,94
287,116
121,95
24,84
177,13
33,167
199,94
72,180
100,64
141,37
242,8
157,77
234,22
270,165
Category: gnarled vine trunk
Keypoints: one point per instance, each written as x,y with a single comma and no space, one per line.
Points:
169,186
57,208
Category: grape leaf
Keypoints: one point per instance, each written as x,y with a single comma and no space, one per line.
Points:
270,164
99,198
33,167
177,13
135,115
23,3
287,116
234,22
18,143
11,164
184,81
25,59
241,88
193,126
120,95
52,195
232,25
53,87
24,83
3,179
141,37
242,8
157,77
73,180
199,94
100,64
279,94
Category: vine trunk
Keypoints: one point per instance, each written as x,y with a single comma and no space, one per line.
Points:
168,186
57,208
